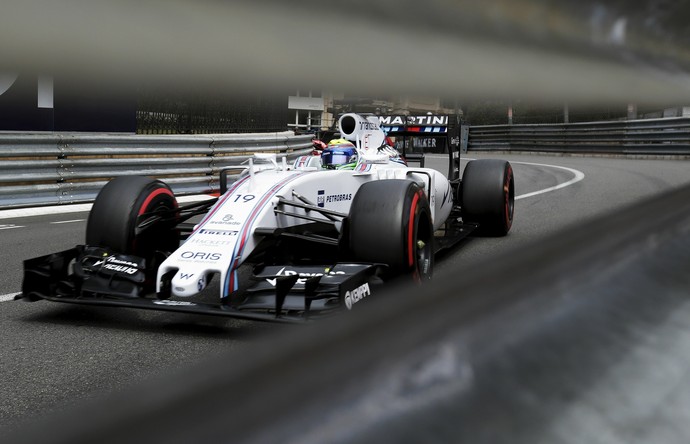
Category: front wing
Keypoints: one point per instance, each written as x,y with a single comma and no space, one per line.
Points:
289,294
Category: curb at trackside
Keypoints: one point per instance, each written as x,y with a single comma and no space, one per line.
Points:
75,208
8,297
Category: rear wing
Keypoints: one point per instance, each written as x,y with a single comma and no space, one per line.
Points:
431,133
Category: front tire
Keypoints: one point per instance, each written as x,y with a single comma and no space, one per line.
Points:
117,211
390,223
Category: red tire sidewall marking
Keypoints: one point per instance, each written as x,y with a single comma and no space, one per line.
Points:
144,206
506,191
410,230
152,196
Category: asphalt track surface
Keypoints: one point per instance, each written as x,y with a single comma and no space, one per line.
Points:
53,356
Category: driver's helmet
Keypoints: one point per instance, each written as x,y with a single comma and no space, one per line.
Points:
339,154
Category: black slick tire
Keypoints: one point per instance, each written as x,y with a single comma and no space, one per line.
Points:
390,222
118,209
488,196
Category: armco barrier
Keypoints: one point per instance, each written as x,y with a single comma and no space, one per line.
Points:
50,169
670,136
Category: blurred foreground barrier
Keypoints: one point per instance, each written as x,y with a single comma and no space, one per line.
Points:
670,136
71,168
582,337
551,50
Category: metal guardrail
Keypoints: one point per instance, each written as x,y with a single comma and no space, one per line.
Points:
670,136
50,169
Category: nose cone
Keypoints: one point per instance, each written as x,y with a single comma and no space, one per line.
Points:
186,283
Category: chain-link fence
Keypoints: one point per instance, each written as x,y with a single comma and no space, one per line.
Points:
166,114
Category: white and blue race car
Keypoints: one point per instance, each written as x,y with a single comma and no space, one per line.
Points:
286,242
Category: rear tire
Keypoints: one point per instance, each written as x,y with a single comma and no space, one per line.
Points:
116,212
488,196
390,223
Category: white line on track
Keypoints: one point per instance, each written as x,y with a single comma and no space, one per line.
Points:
43,211
67,221
7,297
64,209
579,175
10,226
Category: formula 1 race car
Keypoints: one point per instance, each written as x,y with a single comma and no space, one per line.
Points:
288,242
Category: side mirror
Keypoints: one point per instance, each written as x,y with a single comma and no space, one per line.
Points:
223,181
